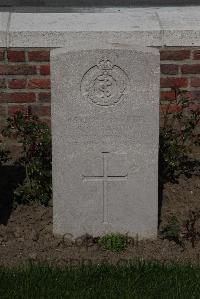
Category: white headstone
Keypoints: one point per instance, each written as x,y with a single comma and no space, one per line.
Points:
105,126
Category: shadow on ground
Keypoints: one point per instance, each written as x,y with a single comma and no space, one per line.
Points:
10,177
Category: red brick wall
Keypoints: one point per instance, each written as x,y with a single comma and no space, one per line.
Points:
180,67
25,78
24,81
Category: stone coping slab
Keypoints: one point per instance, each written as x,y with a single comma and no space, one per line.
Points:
169,26
4,21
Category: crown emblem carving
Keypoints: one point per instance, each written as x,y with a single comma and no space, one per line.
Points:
105,64
104,84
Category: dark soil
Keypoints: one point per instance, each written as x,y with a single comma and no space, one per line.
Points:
28,235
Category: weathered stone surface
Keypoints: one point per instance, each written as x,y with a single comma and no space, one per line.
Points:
4,19
64,29
180,26
157,27
105,121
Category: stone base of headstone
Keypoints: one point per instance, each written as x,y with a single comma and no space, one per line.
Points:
105,127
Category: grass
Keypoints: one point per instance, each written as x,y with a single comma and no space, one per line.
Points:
137,281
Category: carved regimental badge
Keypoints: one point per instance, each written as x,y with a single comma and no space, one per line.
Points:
104,84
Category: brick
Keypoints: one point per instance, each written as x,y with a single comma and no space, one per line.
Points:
2,83
45,70
173,82
167,96
195,82
169,69
190,69
15,56
171,109
196,55
174,54
196,95
17,97
39,83
17,84
18,70
2,111
16,108
170,95
2,55
41,110
44,97
39,56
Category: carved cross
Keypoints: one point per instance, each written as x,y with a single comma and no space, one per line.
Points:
105,178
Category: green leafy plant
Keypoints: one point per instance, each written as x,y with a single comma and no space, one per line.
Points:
172,231
113,242
192,233
4,156
35,138
177,135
